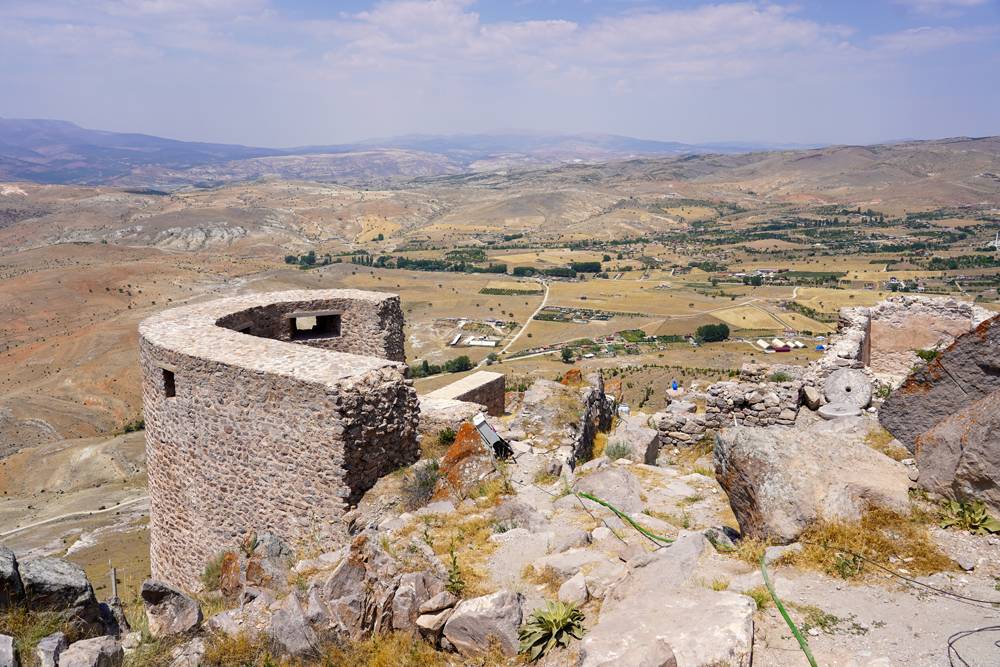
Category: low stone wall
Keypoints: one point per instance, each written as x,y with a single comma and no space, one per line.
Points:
743,403
481,387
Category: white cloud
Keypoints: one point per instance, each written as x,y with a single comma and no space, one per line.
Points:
941,7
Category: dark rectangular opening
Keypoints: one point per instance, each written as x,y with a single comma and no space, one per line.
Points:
169,386
306,326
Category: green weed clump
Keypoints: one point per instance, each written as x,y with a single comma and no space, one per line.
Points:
550,628
971,516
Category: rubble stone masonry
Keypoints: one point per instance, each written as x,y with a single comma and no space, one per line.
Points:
255,423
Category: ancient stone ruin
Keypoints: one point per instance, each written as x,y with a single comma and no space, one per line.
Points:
873,347
272,412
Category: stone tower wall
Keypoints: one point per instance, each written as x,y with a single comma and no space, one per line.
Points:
265,434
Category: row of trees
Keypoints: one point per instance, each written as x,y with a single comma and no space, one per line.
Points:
426,369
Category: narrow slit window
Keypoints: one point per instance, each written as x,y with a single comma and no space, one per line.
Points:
169,385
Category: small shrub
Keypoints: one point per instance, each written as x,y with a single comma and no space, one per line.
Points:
419,483
882,391
971,516
249,544
927,355
211,576
618,450
780,376
549,628
447,436
456,582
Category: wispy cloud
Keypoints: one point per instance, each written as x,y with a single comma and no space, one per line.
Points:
410,65
941,7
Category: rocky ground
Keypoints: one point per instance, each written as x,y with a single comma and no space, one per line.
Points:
462,550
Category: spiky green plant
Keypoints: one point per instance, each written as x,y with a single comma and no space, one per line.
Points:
971,516
550,628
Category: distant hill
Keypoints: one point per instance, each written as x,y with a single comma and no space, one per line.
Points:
55,151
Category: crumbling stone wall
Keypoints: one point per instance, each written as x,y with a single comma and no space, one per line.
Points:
745,403
881,340
878,341
254,433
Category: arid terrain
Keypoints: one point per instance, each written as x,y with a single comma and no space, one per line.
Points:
770,244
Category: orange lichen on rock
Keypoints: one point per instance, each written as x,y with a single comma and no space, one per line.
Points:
572,378
465,465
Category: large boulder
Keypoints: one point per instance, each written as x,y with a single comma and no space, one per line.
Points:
780,481
168,611
965,372
97,652
641,626
56,585
960,456
477,623
642,440
11,590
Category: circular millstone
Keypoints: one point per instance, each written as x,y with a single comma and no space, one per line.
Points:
838,410
848,386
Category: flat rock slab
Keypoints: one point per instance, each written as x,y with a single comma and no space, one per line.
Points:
657,628
838,411
848,387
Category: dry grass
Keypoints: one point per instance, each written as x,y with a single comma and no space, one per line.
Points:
750,550
679,520
880,535
600,444
881,441
760,596
547,578
719,584
687,457
467,532
29,628
240,651
392,650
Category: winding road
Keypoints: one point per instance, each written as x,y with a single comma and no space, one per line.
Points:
74,514
528,322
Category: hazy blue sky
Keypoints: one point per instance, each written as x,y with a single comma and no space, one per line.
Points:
273,72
